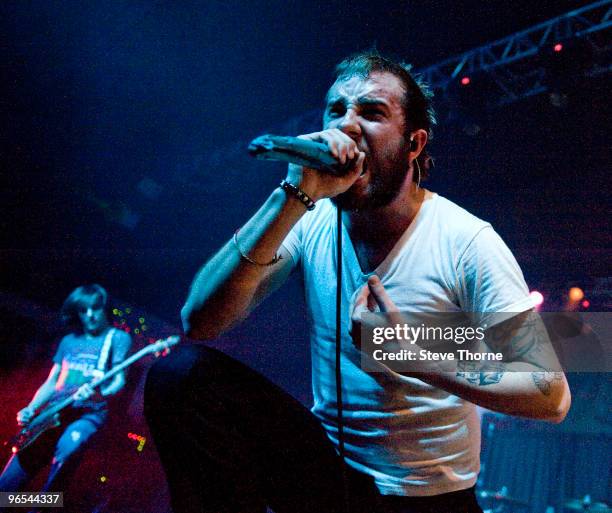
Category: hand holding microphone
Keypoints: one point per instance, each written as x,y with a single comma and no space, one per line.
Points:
323,164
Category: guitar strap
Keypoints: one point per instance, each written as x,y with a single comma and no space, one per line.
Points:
104,352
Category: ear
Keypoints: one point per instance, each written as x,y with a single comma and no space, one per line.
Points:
418,140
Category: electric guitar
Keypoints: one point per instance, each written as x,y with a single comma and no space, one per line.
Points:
49,417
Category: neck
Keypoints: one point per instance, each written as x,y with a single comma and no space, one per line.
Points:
95,333
388,222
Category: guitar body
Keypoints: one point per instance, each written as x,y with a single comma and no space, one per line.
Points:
33,430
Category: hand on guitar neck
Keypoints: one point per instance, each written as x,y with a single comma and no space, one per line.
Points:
84,392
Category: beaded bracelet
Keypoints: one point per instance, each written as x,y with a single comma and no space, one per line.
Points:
246,257
291,189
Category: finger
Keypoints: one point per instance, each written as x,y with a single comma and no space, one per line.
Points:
336,144
380,294
362,297
324,137
348,145
384,301
345,148
363,303
372,304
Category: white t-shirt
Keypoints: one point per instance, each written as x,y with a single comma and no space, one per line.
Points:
413,438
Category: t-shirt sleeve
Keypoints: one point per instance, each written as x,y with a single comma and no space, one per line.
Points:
121,346
490,280
293,242
61,349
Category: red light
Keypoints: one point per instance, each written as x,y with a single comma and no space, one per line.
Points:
586,303
134,436
465,81
558,47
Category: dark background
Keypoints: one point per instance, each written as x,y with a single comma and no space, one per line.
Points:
123,133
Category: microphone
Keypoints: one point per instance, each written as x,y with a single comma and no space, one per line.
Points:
311,154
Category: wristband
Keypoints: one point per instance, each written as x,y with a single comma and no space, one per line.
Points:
298,193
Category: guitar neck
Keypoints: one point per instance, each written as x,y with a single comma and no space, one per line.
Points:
120,366
55,408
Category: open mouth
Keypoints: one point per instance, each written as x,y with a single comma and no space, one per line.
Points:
364,169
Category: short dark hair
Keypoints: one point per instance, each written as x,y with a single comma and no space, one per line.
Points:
417,101
85,294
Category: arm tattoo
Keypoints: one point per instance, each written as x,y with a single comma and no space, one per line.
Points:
545,380
475,373
523,338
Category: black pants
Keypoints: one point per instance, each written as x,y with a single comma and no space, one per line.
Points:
230,441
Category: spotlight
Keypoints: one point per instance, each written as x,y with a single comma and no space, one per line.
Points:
575,294
585,304
536,297
465,81
558,47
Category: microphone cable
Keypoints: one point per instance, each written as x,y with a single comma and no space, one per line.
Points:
339,403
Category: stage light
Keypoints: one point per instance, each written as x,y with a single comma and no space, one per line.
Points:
140,439
536,297
465,81
103,479
575,294
586,303
558,47
14,449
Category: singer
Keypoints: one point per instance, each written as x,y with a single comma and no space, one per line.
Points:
230,441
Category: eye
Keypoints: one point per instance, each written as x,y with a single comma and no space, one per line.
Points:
335,111
373,113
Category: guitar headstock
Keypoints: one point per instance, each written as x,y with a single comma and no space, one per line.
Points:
162,346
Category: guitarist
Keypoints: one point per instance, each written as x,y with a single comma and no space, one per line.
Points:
84,354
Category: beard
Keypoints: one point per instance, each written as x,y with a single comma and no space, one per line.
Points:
384,185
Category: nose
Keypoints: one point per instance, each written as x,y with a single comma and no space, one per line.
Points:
349,124
89,312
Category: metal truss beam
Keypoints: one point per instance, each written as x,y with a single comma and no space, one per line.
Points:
508,63
501,54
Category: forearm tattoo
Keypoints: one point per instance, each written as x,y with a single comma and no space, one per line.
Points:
544,380
521,339
479,373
